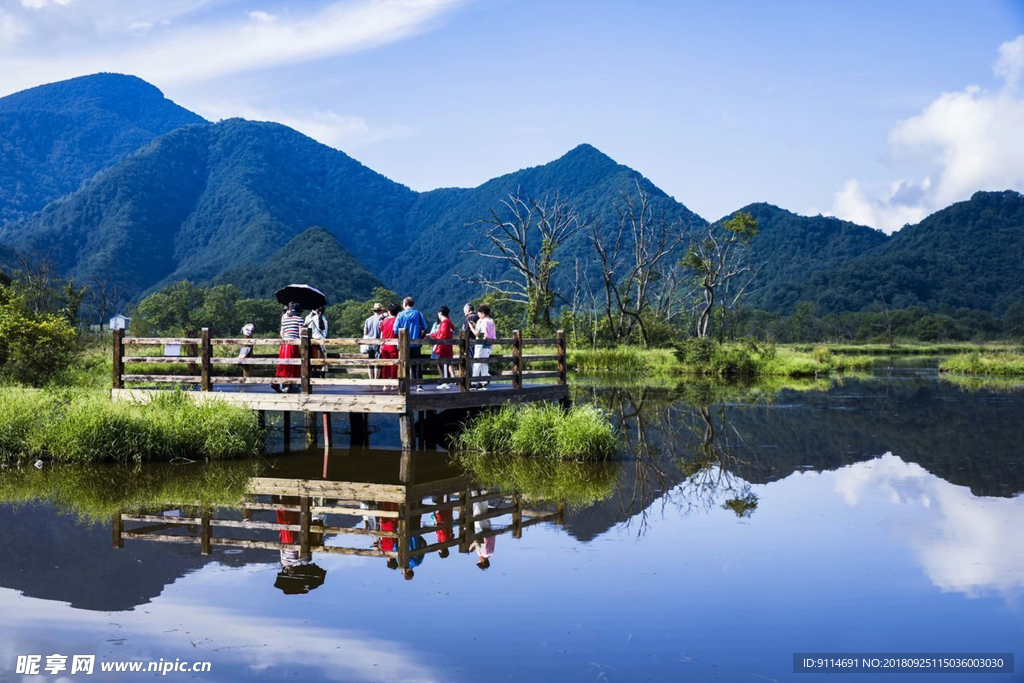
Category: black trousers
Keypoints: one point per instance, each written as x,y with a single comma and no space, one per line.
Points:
415,371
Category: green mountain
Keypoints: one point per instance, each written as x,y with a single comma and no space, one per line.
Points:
206,199
967,255
315,257
150,194
442,221
790,249
54,137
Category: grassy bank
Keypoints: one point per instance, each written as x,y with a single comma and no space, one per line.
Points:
577,484
710,359
988,364
910,348
582,433
84,426
96,492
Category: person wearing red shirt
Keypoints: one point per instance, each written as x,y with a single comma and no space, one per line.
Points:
389,351
445,330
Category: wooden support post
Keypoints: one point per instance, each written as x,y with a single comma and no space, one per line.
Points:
286,422
465,352
246,513
560,511
560,350
465,521
517,360
118,524
206,532
205,352
403,362
305,519
517,516
407,431
407,468
261,419
328,429
311,436
402,542
305,343
119,360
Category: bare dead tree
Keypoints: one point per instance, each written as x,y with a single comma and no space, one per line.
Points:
524,236
631,262
103,296
717,259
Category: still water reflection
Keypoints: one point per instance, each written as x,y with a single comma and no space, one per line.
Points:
737,527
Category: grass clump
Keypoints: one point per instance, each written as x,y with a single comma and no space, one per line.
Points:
985,364
81,426
575,483
707,358
581,433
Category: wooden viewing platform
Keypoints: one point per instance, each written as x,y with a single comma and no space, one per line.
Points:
334,377
304,513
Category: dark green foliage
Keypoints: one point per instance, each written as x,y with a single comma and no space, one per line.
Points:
346,318
968,255
34,346
315,257
54,137
183,308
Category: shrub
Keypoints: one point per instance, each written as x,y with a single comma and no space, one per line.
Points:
581,433
33,347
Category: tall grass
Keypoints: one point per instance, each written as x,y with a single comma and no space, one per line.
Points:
82,426
542,479
581,433
985,364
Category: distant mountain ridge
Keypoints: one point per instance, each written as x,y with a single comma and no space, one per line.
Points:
163,195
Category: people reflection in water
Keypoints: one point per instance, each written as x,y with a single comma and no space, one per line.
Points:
298,575
484,547
443,523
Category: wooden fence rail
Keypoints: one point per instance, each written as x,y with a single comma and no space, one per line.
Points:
317,357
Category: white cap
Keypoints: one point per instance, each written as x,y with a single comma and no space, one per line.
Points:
248,329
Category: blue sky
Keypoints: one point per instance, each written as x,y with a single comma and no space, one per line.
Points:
880,112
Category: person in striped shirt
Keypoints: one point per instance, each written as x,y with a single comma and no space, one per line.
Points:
291,329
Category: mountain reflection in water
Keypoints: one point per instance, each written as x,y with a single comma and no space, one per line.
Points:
736,528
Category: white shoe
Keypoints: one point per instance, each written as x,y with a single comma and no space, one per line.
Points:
419,388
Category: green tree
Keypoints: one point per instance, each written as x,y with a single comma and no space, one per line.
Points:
33,346
170,311
717,260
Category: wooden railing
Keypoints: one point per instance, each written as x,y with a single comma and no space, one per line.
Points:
317,356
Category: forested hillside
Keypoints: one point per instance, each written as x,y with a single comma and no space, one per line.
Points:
314,257
54,137
968,255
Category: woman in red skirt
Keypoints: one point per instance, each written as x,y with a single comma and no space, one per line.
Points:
291,328
389,351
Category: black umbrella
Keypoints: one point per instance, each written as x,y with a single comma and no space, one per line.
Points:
309,298
300,579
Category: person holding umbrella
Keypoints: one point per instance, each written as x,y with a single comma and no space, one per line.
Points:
296,298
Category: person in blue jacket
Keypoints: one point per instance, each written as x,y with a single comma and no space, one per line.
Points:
412,320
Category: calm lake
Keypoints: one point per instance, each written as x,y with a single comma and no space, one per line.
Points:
737,527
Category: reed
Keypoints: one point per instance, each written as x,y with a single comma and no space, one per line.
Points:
985,364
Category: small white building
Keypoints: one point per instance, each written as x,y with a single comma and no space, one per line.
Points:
120,322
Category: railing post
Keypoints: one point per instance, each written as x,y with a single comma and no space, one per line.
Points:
118,530
119,359
464,355
560,346
205,351
403,361
305,342
305,520
517,360
205,532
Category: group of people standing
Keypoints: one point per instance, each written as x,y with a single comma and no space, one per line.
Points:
385,323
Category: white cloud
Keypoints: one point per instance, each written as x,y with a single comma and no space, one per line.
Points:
199,46
974,139
261,17
341,131
964,543
40,4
